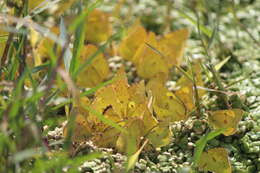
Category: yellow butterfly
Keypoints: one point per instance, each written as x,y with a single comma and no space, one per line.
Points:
172,46
43,44
148,61
158,56
34,3
160,135
96,72
150,55
226,119
136,36
166,105
215,160
98,27
115,95
131,141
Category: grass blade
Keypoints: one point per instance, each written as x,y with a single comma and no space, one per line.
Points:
204,29
221,63
78,44
105,120
133,158
81,18
64,38
93,90
201,143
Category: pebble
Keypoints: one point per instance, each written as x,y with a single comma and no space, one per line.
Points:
154,168
166,154
191,145
89,164
255,137
162,158
242,129
184,170
248,162
143,161
115,59
166,169
141,166
174,165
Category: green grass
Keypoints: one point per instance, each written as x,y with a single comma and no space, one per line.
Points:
25,112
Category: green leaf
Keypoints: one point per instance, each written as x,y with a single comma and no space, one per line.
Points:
42,7
17,95
25,154
40,67
64,38
133,158
203,28
78,44
201,143
221,63
218,66
94,89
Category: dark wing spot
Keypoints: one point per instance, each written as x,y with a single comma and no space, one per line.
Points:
106,109
225,121
214,159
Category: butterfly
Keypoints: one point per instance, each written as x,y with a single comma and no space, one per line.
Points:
215,160
96,72
228,119
135,36
98,27
150,55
